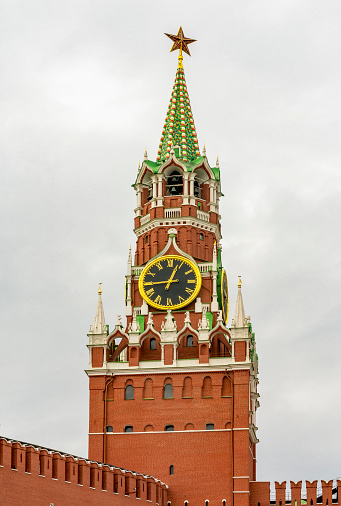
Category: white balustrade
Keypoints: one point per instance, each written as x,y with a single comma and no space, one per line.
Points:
145,219
201,215
175,212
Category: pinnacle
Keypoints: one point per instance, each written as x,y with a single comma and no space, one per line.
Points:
179,129
99,326
239,315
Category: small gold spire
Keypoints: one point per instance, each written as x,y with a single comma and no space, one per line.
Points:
240,281
99,288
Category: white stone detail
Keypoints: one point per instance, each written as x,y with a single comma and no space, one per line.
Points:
198,305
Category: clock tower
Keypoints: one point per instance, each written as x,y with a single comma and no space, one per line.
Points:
173,393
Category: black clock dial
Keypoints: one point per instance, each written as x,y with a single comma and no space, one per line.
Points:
170,282
224,296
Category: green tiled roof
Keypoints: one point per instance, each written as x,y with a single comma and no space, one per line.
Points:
179,129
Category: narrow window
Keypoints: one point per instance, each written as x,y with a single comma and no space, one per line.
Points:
201,236
311,502
171,469
259,504
169,428
186,503
199,205
147,239
189,341
152,344
210,426
280,502
206,503
109,428
168,391
174,184
326,502
128,428
224,502
129,393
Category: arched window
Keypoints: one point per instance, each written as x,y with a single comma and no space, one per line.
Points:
206,503
168,391
171,471
197,189
174,184
224,502
187,391
148,389
201,236
169,428
152,344
109,428
189,341
206,390
226,387
128,428
129,393
280,502
209,426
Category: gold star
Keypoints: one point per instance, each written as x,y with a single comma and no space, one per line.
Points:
180,42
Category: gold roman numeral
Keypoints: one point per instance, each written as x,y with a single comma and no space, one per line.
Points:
158,300
170,262
150,292
169,302
151,273
188,271
188,290
181,299
159,266
191,281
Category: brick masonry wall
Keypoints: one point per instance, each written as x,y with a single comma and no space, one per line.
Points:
39,476
198,455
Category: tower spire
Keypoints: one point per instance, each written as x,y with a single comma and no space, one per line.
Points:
99,326
179,130
239,314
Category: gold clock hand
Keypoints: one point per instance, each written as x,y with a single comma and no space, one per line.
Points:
171,278
160,282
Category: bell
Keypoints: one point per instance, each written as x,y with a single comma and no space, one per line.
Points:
173,190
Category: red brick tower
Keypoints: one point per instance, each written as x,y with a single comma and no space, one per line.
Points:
174,394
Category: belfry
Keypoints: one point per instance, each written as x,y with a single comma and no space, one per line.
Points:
173,393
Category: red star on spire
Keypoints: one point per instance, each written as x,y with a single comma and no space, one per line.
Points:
180,41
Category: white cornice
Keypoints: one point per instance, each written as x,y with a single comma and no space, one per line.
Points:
181,221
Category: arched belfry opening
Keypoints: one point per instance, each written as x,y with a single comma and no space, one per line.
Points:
174,184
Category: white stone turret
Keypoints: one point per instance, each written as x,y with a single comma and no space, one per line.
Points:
239,319
128,294
214,304
99,327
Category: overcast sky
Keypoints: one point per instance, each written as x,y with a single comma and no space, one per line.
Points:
84,89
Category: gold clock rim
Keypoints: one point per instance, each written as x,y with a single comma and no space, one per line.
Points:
175,306
225,316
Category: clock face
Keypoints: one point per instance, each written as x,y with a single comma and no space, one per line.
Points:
224,296
170,282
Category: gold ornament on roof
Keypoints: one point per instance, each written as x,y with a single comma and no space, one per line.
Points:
180,42
240,281
99,288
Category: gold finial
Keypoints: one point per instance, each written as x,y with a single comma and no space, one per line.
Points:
240,281
99,288
180,42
